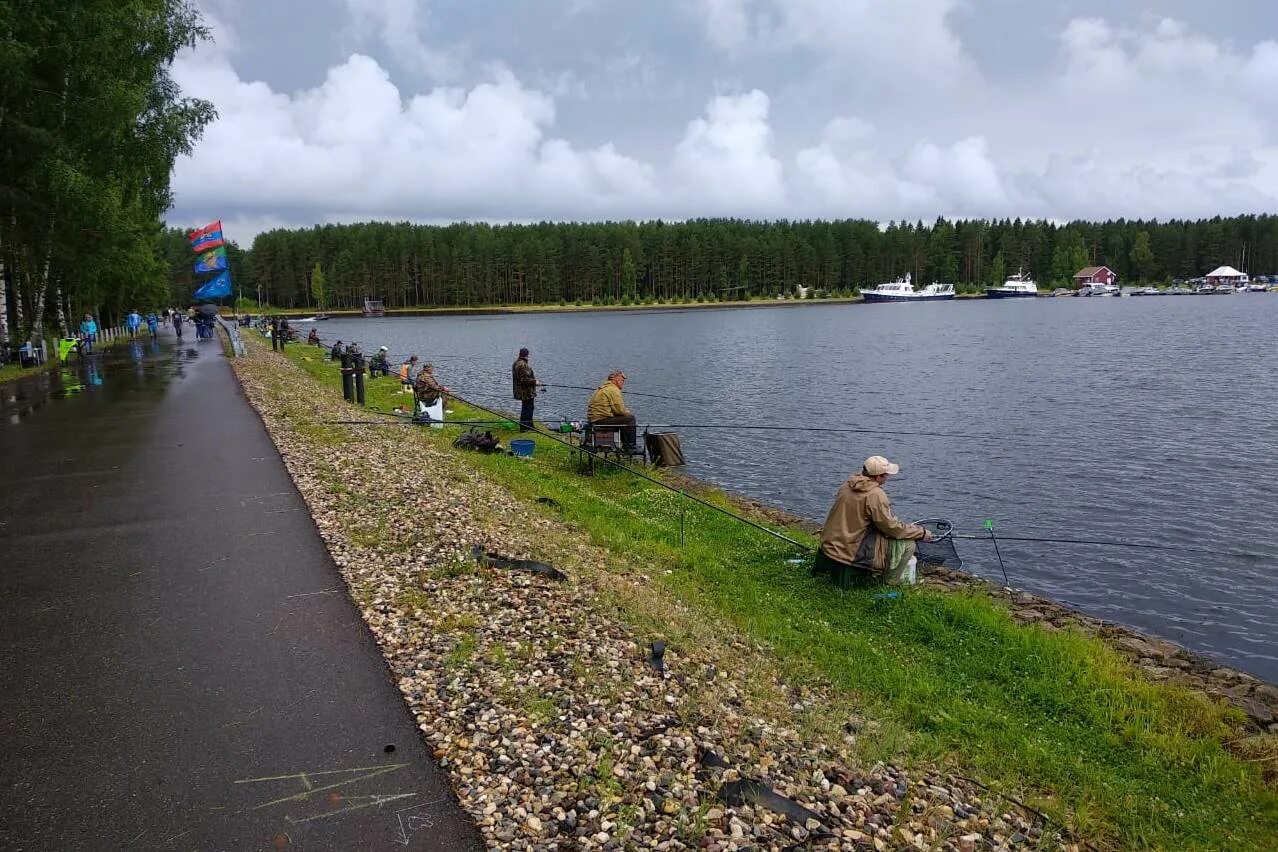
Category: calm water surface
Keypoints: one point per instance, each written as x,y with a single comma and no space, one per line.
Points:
1150,420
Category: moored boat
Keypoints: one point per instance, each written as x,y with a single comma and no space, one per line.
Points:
902,290
374,308
1018,286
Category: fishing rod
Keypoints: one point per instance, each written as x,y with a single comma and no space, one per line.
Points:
637,393
1114,543
841,429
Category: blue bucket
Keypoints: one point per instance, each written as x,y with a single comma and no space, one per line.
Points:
522,447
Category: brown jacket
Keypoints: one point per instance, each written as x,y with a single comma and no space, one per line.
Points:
606,401
525,380
860,523
426,388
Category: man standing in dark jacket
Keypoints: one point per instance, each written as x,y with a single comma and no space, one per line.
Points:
526,385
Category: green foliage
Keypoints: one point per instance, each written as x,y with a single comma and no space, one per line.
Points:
472,264
319,287
92,123
1143,257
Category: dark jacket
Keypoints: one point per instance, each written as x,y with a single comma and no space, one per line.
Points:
524,379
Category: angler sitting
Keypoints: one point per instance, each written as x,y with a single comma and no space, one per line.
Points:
607,407
378,365
312,339
862,541
335,354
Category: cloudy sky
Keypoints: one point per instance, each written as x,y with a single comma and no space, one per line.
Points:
517,110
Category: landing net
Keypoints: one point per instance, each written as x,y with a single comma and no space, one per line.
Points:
940,550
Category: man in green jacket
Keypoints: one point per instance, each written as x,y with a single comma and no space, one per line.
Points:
862,540
607,407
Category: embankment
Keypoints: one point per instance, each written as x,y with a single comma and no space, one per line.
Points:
890,721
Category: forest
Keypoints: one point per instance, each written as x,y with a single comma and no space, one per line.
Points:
476,264
90,125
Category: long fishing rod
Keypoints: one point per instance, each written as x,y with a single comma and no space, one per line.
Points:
1114,543
637,393
847,429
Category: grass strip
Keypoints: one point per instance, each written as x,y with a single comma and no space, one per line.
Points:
1057,719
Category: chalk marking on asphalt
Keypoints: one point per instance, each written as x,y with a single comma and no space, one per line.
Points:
211,564
377,800
414,823
140,833
308,594
369,772
181,834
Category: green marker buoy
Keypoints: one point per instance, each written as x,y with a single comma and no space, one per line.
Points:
989,524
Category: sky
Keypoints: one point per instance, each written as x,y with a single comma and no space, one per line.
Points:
525,110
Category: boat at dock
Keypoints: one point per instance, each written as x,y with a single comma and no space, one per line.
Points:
1096,289
374,308
902,290
1018,286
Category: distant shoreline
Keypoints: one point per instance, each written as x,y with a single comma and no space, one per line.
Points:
570,309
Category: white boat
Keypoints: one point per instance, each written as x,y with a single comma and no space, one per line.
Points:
1100,290
902,290
1019,286
1147,291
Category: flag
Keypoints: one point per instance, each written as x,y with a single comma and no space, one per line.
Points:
215,288
210,236
211,260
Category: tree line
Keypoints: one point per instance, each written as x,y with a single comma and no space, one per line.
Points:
90,124
475,264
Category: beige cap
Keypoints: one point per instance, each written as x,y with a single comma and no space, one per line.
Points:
876,465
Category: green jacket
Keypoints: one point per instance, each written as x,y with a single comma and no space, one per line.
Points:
606,401
525,381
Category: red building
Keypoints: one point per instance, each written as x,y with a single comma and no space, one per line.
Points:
1094,275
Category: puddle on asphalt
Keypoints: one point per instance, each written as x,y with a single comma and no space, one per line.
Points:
123,369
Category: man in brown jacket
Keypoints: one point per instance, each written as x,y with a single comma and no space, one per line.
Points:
857,539
526,385
607,407
426,388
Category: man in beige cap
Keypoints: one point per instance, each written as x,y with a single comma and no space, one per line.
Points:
863,541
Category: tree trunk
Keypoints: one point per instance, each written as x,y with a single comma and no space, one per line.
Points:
62,317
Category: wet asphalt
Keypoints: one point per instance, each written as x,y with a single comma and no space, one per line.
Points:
180,665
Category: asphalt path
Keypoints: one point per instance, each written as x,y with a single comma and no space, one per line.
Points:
180,665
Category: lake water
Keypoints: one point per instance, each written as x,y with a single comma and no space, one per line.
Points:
1148,420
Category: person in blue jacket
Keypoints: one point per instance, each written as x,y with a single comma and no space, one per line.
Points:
133,322
153,325
89,333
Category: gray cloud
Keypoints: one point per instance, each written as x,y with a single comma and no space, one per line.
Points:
602,109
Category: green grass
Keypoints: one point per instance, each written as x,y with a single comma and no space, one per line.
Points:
950,679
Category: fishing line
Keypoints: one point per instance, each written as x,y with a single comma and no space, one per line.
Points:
822,429
1114,543
637,393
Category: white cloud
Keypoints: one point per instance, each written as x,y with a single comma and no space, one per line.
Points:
725,160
